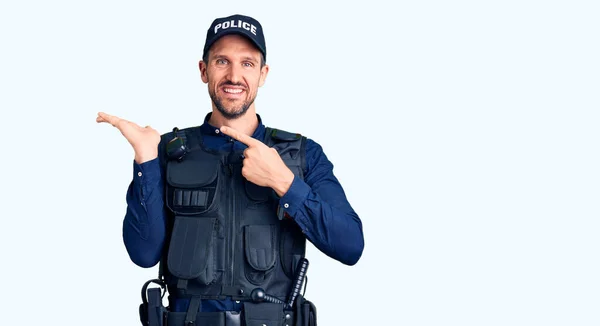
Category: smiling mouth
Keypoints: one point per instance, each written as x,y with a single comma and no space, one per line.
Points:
232,90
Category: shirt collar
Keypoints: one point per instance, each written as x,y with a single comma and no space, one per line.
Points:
208,129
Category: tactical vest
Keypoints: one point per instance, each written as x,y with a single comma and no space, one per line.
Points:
226,235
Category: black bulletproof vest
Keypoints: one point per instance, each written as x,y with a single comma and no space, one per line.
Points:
228,236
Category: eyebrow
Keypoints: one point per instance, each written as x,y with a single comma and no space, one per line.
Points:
247,58
219,56
244,58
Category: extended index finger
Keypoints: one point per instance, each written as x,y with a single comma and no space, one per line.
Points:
235,134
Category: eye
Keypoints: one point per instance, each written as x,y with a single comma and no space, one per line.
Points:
221,61
248,64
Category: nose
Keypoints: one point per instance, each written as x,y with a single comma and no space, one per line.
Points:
235,74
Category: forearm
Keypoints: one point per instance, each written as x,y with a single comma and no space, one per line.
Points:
144,225
332,226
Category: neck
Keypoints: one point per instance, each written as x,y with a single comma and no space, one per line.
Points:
245,124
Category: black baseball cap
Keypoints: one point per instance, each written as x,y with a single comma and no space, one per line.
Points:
236,24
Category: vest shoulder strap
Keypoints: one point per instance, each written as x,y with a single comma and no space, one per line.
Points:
274,136
281,135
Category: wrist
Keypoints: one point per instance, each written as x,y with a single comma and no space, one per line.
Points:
283,183
145,156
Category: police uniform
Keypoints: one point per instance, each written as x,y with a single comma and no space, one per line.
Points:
225,238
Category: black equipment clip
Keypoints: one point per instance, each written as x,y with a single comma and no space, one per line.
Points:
152,310
176,148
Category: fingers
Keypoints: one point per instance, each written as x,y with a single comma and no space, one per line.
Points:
240,136
116,122
244,155
105,117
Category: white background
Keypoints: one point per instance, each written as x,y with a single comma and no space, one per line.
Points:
465,134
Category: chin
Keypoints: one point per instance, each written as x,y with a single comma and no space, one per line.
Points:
232,113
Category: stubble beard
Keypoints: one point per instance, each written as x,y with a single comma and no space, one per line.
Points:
230,112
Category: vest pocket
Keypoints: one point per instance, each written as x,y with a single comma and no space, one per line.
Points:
202,318
191,187
292,247
264,313
260,252
257,193
193,249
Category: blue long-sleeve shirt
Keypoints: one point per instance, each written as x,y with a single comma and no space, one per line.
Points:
318,204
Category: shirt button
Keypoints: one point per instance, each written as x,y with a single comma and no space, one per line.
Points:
217,131
139,174
286,205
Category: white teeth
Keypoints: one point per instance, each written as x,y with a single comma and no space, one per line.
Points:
233,90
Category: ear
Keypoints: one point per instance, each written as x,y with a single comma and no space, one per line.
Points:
264,71
202,66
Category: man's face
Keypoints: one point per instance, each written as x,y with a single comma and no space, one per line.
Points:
233,74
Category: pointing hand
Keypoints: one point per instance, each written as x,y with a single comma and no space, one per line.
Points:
262,165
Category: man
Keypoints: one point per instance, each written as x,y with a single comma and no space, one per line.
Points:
226,207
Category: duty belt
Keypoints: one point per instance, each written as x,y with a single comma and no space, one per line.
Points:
261,310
